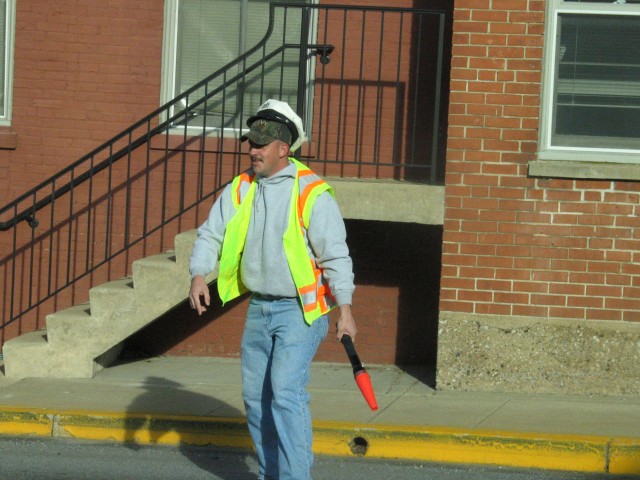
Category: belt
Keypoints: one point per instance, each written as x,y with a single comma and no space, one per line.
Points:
271,298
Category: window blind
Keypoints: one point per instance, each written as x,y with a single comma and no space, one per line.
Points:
598,79
212,33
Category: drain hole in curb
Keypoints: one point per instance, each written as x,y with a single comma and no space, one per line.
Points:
359,446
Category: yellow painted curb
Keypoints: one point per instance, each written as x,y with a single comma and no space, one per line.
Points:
155,429
558,452
25,422
578,453
624,456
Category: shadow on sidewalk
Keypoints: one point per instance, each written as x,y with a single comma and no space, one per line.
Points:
148,423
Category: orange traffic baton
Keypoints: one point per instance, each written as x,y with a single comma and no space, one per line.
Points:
360,373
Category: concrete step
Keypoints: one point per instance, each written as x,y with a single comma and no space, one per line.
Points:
76,328
115,297
80,339
184,246
70,327
31,355
25,354
159,284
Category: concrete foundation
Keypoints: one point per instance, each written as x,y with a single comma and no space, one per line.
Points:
523,354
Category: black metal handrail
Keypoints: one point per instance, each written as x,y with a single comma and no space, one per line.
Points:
28,214
116,177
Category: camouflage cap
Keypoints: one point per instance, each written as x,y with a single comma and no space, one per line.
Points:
263,132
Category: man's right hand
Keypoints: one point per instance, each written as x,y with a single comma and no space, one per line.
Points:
199,289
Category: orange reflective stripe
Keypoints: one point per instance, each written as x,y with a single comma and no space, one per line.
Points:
323,303
302,200
307,289
307,276
316,295
244,177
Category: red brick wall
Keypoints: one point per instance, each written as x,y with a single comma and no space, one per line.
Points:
395,304
515,245
83,72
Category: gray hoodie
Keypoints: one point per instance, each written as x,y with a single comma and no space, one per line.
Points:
264,268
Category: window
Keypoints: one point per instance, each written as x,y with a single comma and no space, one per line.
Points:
202,36
7,11
591,100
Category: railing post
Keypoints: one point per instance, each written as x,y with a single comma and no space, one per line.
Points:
303,58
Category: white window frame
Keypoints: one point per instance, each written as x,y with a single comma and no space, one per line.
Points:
169,64
546,150
8,54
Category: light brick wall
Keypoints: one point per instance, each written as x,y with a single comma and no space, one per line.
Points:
515,245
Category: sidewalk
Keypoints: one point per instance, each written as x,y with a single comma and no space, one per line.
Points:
173,400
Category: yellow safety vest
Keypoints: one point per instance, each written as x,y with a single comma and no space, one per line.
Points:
313,290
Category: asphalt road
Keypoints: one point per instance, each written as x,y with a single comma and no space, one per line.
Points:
60,459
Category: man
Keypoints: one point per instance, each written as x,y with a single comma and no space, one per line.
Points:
278,233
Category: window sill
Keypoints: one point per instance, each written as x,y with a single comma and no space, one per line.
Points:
583,170
8,140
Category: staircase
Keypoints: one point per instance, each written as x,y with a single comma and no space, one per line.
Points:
82,339
141,180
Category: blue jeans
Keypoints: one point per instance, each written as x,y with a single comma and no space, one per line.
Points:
277,349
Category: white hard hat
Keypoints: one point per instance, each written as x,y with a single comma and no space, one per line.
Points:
280,111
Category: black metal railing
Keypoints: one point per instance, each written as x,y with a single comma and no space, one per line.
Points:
371,88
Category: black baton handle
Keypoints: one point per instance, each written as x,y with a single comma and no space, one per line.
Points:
351,353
